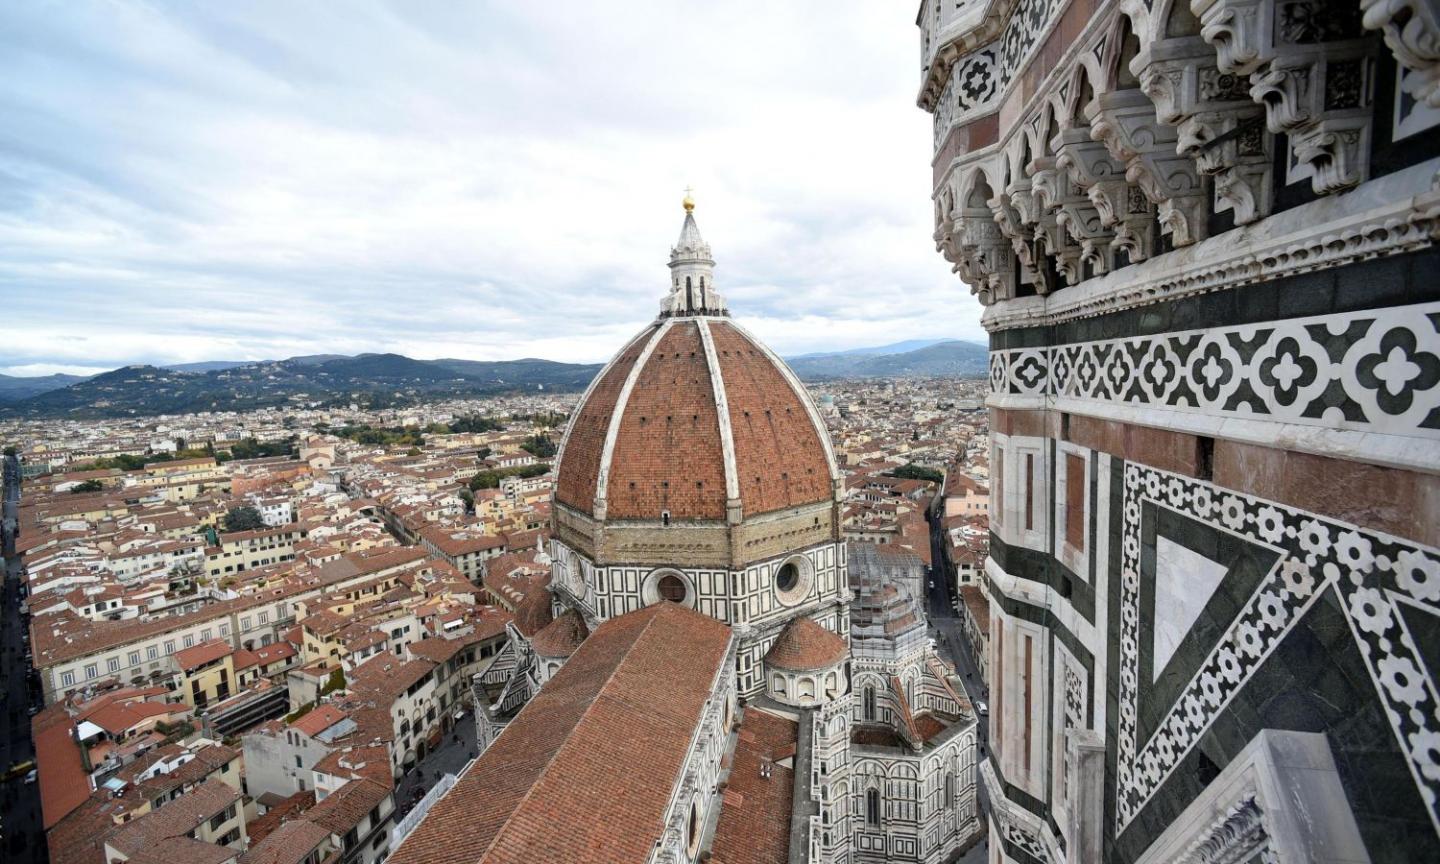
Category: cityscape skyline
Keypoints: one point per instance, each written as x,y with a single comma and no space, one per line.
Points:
183,185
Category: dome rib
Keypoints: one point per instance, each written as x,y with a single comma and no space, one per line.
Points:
722,405
583,445
607,453
801,394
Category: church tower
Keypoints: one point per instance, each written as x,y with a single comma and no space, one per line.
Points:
697,470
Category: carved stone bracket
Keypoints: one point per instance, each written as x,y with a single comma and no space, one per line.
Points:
1096,216
1320,97
1216,122
1012,228
1125,122
1413,36
1049,187
1311,73
982,255
1239,30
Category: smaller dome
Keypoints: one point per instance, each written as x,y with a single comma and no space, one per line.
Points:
805,646
560,637
533,612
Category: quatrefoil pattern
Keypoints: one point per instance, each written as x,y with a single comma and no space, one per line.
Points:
1378,579
1377,371
982,77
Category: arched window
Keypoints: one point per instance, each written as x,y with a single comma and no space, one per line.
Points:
778,684
872,807
949,789
869,702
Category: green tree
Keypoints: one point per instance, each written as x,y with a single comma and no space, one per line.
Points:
243,518
539,446
87,486
11,450
485,480
911,471
475,423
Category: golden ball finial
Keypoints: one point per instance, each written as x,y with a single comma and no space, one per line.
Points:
689,202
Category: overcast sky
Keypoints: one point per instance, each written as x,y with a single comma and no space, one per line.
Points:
239,181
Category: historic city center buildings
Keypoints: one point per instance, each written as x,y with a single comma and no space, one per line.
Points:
706,677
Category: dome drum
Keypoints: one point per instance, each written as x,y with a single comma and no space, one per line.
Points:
695,543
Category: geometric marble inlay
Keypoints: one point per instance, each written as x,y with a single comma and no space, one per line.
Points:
1184,581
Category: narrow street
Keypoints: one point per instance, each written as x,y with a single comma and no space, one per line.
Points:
945,624
21,839
448,758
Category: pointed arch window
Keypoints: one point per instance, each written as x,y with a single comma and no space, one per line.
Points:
869,702
872,807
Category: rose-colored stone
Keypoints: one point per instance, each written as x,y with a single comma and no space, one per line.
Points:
1393,500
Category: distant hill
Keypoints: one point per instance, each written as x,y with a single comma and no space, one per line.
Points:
892,348
573,376
369,379
206,366
14,388
939,359
393,379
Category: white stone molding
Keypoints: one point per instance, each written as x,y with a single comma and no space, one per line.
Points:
1017,825
650,587
1084,806
804,396
590,389
1280,799
607,453
734,507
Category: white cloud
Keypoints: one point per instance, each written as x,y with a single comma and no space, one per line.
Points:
182,183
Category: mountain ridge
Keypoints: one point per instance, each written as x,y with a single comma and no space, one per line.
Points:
385,378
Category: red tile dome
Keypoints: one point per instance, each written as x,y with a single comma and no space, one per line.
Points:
694,414
805,646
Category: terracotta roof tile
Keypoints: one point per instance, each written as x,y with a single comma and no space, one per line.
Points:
561,637
779,452
668,454
576,476
754,824
288,844
574,776
805,645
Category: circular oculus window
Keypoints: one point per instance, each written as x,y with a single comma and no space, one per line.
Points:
793,580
